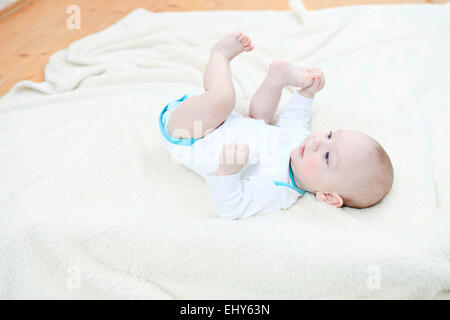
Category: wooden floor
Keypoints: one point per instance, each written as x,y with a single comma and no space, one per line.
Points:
34,29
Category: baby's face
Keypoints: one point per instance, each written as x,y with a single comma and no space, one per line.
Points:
329,161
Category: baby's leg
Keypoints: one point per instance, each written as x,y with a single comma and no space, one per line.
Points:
198,115
281,74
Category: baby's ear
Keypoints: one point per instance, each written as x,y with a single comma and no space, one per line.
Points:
332,198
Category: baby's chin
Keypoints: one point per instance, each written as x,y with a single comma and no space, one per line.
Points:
296,155
296,167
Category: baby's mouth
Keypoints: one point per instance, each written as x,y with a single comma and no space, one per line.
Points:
302,150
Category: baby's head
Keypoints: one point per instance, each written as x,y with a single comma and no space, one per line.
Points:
343,167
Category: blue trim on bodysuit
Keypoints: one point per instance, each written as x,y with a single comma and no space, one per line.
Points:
179,141
291,175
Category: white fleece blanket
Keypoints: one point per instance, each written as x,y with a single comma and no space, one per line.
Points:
91,206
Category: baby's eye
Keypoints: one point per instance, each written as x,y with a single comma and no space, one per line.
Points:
327,156
330,134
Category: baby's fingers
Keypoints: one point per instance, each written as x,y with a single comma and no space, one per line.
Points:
316,84
322,81
233,153
242,153
319,73
229,153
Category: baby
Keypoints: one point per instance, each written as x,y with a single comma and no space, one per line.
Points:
341,167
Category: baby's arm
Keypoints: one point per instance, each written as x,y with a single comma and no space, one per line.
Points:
298,111
233,198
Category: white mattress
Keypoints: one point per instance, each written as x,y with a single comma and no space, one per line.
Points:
92,207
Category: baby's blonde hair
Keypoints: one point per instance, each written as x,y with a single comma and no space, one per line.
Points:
375,185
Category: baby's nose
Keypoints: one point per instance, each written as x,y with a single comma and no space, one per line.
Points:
316,144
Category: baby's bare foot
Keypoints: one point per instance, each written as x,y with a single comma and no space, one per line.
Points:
286,74
233,44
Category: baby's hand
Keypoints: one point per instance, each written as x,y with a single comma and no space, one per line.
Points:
317,85
232,159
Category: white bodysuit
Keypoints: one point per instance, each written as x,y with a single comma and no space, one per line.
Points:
265,183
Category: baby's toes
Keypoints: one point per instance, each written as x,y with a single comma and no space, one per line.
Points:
320,75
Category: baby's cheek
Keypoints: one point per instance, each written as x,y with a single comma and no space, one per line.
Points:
309,169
